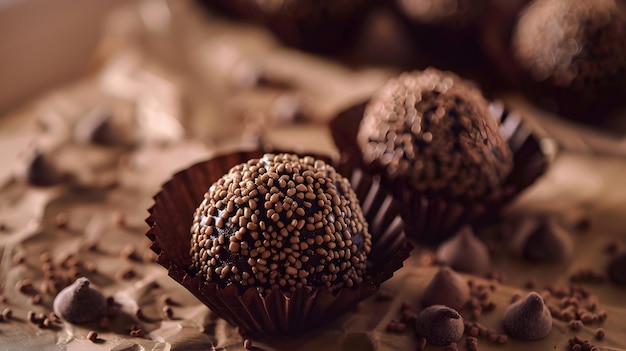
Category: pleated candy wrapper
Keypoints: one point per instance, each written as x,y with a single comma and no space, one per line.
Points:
431,218
276,313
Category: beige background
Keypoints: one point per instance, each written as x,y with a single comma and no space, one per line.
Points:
46,42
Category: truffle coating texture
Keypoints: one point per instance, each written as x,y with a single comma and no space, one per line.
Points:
432,131
280,223
439,325
528,319
574,44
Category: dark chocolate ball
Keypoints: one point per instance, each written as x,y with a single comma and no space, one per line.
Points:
432,131
279,223
576,50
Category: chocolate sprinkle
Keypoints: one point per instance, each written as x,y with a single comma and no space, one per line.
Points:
528,319
439,325
432,131
280,223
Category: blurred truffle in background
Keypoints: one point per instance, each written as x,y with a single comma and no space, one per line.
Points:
574,55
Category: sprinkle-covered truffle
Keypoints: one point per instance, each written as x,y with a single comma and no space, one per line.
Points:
280,223
79,302
528,318
464,253
446,288
439,325
432,130
576,48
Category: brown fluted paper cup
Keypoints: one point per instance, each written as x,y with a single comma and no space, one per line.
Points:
431,218
275,313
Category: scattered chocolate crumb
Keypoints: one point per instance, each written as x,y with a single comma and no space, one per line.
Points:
7,313
61,220
528,319
127,274
575,325
35,299
53,317
576,343
137,333
408,317
451,347
600,334
502,339
396,326
45,257
612,247
90,267
247,344
530,284
583,224
25,286
19,258
472,343
586,275
167,300
496,276
92,336
139,314
31,317
168,311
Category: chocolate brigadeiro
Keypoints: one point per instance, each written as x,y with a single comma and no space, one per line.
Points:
430,134
280,244
574,53
324,26
281,222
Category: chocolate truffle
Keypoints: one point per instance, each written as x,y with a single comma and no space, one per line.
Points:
547,242
431,131
79,302
439,325
446,288
464,253
279,223
576,50
528,318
